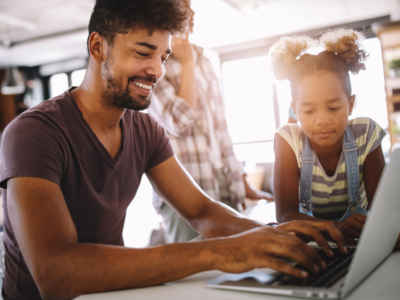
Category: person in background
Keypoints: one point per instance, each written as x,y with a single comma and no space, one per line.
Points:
329,167
8,111
292,116
188,104
71,165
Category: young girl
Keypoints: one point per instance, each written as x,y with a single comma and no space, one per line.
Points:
328,167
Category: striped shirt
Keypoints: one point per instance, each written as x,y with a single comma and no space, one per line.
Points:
329,193
189,129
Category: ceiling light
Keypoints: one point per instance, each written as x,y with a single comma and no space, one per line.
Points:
14,83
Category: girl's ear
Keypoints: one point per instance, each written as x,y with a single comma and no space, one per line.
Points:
351,104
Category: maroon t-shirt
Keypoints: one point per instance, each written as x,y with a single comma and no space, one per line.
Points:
52,141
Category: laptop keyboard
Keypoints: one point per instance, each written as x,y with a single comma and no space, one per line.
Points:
336,268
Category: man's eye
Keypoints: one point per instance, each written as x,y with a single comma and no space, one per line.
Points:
308,111
164,60
334,108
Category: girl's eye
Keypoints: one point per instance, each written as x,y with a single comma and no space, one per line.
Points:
334,108
164,60
142,54
308,111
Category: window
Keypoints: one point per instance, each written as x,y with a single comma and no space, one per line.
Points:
253,118
58,84
369,88
248,94
77,77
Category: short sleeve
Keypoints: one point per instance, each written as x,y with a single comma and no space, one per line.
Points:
292,133
32,147
160,146
287,135
375,135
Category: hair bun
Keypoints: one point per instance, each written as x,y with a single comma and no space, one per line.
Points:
285,52
346,44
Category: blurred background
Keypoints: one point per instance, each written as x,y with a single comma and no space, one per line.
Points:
43,52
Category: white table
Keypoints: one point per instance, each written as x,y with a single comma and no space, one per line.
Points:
382,284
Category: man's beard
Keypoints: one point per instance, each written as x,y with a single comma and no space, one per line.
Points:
116,96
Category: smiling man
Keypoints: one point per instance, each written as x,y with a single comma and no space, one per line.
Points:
71,166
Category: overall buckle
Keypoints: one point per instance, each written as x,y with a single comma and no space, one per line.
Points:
308,161
347,150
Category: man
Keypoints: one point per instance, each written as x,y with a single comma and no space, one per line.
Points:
188,104
71,165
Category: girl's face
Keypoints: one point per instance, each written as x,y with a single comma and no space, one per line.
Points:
322,109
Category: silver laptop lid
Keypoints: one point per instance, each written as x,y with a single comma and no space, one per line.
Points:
381,229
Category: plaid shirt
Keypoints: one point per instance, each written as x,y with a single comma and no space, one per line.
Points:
189,129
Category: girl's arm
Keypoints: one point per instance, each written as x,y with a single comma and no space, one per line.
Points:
286,183
286,188
373,167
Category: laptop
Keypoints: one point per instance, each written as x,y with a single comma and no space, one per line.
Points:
343,273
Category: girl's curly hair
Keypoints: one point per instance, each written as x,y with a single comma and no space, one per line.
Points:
343,54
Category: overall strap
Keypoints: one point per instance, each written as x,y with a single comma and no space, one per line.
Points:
307,160
352,174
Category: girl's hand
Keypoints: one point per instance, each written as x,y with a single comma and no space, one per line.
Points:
351,228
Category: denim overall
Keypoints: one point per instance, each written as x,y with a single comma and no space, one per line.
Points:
307,159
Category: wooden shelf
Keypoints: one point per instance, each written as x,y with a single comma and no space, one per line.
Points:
389,35
391,47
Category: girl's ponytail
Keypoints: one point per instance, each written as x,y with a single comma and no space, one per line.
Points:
284,53
346,44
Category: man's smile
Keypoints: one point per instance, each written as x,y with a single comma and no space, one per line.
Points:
142,85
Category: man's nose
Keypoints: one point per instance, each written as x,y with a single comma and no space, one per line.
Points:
156,68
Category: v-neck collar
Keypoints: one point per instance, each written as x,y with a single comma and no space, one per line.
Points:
341,159
107,154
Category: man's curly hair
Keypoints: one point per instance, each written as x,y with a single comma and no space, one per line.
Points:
110,17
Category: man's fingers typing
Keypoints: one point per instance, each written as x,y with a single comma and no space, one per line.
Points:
281,266
293,248
336,236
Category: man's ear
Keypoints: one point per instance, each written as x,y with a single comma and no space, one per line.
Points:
97,47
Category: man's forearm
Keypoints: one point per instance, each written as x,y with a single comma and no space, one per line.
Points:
92,268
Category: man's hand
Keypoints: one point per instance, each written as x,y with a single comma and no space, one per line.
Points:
316,231
265,247
351,228
183,50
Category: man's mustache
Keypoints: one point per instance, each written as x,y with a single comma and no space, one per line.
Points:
150,79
